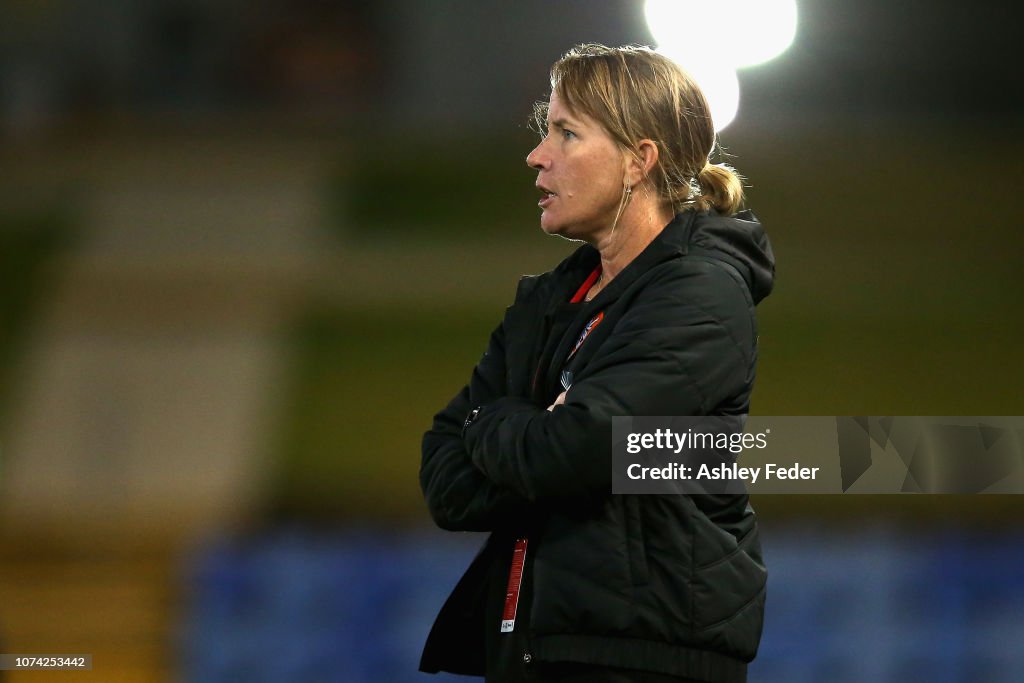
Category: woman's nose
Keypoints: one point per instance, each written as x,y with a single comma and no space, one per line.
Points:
536,159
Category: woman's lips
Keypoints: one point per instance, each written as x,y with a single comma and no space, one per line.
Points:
547,196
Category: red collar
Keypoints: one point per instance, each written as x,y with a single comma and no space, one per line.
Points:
581,293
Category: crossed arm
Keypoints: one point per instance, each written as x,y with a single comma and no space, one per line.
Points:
517,455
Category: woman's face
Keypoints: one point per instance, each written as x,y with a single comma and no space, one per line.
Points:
580,171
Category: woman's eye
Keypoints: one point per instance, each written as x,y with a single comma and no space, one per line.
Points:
568,134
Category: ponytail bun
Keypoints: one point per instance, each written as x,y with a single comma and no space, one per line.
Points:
721,188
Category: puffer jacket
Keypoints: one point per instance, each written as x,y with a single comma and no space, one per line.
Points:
665,583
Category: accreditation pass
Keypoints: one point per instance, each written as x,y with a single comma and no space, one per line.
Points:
515,582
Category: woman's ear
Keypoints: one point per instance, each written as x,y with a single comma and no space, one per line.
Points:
641,161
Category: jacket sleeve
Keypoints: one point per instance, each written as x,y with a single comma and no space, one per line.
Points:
458,495
679,353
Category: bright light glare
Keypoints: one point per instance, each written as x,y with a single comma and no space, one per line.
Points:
722,90
717,81
713,39
738,32
766,30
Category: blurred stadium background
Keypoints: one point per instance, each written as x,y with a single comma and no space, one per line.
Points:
248,249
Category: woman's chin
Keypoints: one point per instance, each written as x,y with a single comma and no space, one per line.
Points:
553,226
548,227
563,230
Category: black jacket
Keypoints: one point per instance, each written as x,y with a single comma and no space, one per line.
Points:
673,584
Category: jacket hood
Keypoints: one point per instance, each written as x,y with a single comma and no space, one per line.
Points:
741,241
738,240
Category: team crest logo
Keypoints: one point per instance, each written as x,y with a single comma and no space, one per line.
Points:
594,322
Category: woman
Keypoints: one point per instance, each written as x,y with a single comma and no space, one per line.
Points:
654,315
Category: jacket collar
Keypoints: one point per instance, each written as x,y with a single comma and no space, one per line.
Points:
670,243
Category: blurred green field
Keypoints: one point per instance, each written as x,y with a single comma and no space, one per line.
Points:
29,239
365,388
898,291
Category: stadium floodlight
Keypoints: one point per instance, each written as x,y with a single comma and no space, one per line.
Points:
713,39
717,81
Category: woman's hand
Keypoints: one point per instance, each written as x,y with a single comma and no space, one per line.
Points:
558,401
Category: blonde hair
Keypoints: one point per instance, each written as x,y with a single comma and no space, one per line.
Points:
636,93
